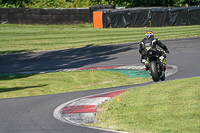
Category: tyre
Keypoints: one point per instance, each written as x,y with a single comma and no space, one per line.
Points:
154,71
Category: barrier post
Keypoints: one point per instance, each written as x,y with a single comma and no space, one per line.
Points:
98,19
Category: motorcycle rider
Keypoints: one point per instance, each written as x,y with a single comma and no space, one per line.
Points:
150,41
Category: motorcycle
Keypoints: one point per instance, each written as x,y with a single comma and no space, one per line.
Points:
157,68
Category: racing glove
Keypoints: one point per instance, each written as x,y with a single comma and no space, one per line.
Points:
167,51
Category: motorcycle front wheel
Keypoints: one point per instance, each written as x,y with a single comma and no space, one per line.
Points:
154,71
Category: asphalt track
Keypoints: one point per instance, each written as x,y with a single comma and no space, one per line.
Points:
35,114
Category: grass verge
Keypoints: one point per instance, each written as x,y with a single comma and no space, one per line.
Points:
171,106
60,82
27,38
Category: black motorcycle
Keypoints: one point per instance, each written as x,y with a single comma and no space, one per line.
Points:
157,68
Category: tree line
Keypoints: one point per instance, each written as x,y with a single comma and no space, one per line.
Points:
88,3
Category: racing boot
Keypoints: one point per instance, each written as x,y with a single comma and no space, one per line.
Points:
145,62
161,58
163,61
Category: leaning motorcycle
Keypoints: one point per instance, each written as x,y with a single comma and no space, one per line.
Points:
157,68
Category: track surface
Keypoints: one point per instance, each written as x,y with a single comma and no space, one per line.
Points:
35,114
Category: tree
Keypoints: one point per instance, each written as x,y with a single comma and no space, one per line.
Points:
87,3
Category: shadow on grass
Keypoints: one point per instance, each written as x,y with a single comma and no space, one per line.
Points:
19,88
16,51
13,76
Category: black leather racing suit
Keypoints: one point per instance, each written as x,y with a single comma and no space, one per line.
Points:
151,42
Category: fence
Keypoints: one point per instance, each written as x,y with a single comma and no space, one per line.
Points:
44,16
49,16
111,17
149,17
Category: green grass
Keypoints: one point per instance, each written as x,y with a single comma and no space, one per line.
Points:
60,82
26,38
172,106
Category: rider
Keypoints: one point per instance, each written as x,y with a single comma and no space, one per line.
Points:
150,41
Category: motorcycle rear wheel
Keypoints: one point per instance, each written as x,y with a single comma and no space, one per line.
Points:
154,71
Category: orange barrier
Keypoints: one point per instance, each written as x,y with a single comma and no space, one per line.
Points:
98,19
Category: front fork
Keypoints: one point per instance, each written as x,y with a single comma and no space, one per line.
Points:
163,65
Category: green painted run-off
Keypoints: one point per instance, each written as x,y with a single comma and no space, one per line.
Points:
131,73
